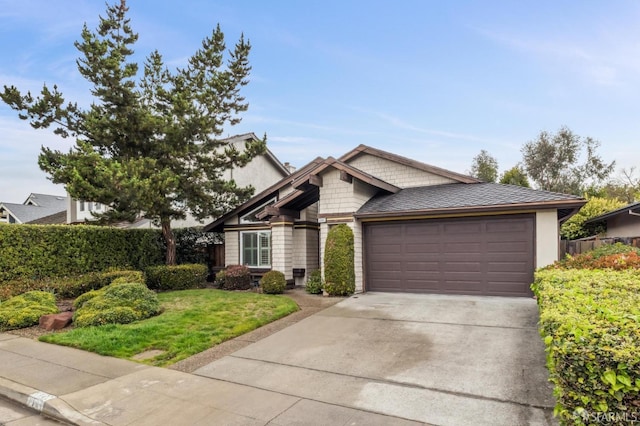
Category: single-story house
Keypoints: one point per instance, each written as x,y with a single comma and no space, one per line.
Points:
37,208
621,223
417,228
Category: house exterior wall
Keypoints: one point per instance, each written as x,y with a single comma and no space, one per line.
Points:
260,172
547,237
336,196
396,174
282,246
232,248
623,225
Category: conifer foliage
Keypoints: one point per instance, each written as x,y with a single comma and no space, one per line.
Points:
148,144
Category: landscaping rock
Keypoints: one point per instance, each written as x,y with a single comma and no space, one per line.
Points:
56,321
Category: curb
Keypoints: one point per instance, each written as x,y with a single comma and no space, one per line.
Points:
46,404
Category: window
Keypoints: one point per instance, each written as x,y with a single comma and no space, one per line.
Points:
251,216
97,206
81,205
255,249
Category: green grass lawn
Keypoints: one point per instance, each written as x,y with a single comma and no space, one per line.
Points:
192,321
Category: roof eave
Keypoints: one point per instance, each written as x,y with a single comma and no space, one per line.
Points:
473,209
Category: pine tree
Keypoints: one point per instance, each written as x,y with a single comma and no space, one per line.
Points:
147,145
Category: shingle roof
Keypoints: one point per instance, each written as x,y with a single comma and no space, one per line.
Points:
47,205
463,196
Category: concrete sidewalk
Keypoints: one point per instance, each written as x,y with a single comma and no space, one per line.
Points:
81,388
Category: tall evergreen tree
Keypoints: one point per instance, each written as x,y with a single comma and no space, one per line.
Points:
147,145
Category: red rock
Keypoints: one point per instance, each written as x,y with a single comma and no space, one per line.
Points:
56,321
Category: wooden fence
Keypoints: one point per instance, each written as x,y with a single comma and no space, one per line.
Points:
580,246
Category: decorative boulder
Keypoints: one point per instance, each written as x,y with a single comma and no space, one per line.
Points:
56,321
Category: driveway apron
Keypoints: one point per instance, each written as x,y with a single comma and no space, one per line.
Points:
441,360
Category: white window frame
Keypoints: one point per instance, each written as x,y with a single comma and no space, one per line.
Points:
260,248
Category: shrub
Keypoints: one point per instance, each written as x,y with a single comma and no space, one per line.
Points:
220,279
590,322
35,252
314,283
26,309
609,256
176,277
273,282
68,286
339,268
237,277
116,304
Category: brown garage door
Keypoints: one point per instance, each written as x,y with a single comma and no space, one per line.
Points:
482,255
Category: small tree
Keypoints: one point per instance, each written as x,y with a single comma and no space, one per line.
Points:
339,266
564,162
149,145
484,167
515,176
575,228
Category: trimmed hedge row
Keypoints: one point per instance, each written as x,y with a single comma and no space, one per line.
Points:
590,322
35,252
178,277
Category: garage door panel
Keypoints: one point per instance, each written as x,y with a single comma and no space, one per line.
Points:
482,255
462,247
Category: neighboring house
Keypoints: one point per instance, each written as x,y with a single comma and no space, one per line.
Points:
37,208
417,228
621,223
261,172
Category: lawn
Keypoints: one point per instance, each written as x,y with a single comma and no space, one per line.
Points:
192,321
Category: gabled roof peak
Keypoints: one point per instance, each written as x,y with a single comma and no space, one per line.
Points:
365,149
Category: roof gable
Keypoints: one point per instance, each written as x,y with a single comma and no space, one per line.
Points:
269,192
355,157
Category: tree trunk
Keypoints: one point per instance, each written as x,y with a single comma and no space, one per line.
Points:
170,240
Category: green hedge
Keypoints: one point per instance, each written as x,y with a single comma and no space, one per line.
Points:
590,322
178,277
339,267
35,252
26,309
119,303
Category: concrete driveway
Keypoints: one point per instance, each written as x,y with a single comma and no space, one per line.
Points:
441,360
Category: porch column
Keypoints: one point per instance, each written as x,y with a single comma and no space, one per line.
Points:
282,245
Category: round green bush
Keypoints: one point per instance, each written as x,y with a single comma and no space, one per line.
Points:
273,282
220,279
339,266
119,303
314,283
26,309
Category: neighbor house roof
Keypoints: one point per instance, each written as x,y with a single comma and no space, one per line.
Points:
36,206
628,209
454,197
268,154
